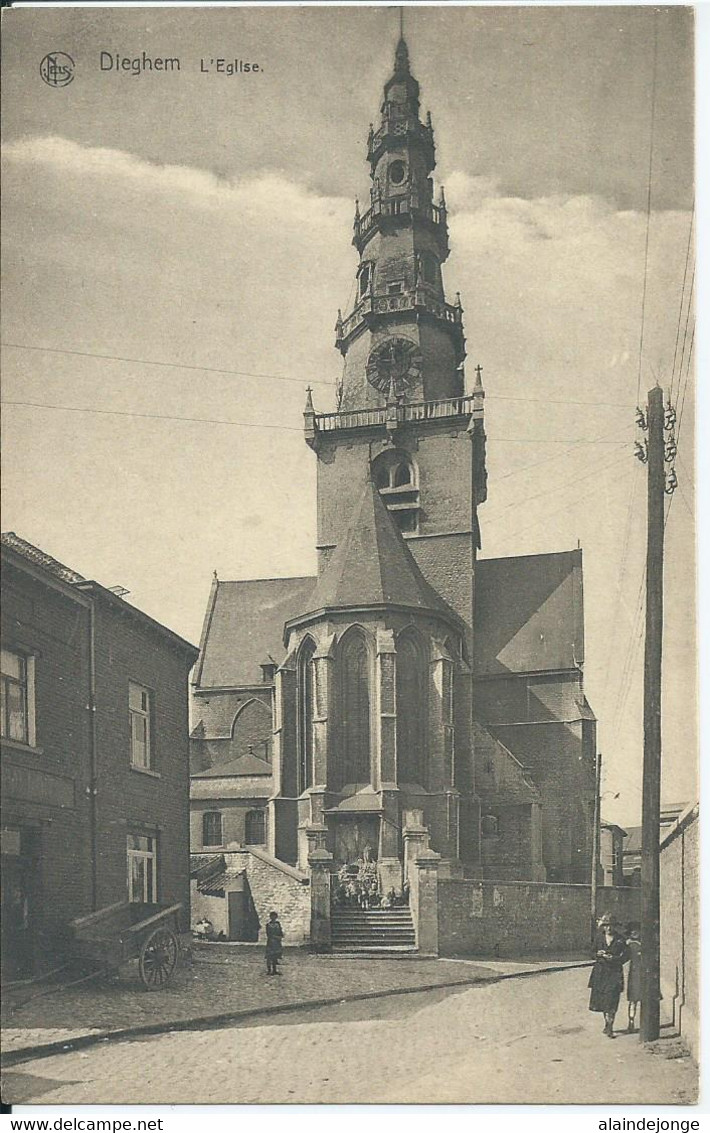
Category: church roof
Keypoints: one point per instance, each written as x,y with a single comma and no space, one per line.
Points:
248,764
244,623
528,614
373,566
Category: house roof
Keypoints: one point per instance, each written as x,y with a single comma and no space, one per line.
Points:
248,764
51,566
243,625
214,886
372,566
528,614
40,558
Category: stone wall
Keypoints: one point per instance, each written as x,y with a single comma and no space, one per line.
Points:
509,918
680,925
272,885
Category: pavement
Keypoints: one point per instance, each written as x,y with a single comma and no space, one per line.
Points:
221,984
529,1040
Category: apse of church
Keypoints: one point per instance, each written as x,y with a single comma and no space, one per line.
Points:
390,669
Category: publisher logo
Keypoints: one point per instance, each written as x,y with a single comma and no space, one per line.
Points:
57,69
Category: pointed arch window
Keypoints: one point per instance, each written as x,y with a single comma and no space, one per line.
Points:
412,717
395,475
355,725
306,691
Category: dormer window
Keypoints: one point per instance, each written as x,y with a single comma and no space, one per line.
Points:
395,476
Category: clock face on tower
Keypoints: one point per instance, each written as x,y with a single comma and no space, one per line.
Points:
396,361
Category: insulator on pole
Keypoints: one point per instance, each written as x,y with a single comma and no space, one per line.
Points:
641,451
641,418
671,482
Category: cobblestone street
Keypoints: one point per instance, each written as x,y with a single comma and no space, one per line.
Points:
220,979
521,1040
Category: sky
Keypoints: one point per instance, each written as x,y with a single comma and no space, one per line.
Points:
202,222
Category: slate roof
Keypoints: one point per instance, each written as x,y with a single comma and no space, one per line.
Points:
373,566
244,787
249,764
244,623
528,614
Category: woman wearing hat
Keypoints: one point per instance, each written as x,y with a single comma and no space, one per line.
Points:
607,976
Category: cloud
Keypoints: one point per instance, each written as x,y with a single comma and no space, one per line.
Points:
192,187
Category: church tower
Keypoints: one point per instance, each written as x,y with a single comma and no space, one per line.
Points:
403,416
379,663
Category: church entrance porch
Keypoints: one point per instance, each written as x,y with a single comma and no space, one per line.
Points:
364,876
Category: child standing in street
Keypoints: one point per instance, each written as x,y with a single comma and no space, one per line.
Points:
633,980
274,949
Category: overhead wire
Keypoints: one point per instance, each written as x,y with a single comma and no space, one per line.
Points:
682,298
281,377
261,424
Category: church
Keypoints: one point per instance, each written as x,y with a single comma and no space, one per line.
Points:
411,680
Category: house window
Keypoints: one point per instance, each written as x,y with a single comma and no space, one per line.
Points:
395,288
139,713
17,690
212,828
255,828
142,868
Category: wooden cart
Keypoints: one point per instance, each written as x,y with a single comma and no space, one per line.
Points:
112,936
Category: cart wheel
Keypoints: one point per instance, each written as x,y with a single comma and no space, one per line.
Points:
158,959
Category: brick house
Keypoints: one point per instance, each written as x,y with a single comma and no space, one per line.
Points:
410,676
95,767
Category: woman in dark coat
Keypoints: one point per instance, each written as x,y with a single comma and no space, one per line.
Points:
607,975
274,950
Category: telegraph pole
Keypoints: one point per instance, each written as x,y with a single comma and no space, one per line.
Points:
650,831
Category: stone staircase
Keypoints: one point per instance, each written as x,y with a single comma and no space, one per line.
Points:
372,930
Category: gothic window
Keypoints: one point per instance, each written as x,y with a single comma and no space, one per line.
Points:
412,682
364,278
212,828
395,476
255,828
402,475
430,268
306,674
252,730
355,727
489,826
